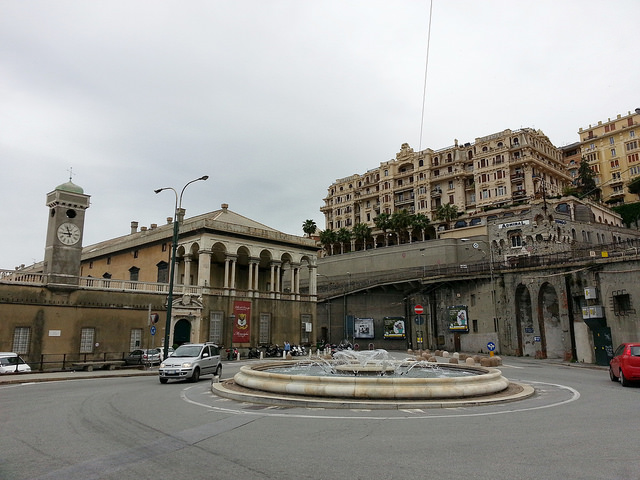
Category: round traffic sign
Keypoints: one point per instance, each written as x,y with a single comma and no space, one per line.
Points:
418,309
491,346
153,330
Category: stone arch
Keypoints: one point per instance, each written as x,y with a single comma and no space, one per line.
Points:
182,332
243,257
549,323
525,328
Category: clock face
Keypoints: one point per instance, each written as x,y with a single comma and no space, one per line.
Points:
68,233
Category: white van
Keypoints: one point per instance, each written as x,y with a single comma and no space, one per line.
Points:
12,363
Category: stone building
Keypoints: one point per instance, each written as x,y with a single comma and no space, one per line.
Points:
237,282
496,171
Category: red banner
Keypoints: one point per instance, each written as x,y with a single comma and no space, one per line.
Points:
241,322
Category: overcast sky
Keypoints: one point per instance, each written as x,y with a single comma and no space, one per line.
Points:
275,100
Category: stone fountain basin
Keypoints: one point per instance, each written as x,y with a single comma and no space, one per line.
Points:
486,381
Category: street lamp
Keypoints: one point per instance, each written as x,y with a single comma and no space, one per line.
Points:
174,247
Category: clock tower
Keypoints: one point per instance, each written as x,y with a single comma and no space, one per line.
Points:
67,204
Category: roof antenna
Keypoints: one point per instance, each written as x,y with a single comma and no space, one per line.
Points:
70,170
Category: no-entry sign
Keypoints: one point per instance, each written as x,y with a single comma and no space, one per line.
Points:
418,309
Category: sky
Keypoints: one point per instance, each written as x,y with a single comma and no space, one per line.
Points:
277,99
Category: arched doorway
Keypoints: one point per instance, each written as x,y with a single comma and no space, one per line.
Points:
182,332
525,327
551,334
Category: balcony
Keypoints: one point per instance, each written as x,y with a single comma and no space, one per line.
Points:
519,194
436,192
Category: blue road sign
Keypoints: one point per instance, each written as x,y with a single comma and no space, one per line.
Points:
491,346
153,330
419,320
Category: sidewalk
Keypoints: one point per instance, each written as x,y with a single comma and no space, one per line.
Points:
13,378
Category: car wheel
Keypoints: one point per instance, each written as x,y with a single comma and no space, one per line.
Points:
164,380
623,381
218,370
612,376
196,375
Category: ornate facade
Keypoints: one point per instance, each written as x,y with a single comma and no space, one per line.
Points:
498,170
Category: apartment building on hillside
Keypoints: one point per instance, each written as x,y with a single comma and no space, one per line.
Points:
496,171
612,149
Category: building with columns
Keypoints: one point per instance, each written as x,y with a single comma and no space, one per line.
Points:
237,283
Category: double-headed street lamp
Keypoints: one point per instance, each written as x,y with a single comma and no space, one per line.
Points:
174,247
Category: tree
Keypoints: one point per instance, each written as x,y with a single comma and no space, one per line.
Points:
447,212
586,181
309,227
400,222
383,222
343,236
327,240
634,186
362,232
421,222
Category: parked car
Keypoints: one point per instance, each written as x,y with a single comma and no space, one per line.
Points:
190,361
625,364
13,363
169,353
143,356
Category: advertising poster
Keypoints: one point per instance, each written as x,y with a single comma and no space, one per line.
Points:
363,328
394,328
241,322
459,318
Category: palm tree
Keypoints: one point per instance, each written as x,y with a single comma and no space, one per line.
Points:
362,232
447,212
309,227
383,222
328,239
400,222
420,222
343,236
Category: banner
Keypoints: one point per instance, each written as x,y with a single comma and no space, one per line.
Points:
363,328
394,328
241,322
459,318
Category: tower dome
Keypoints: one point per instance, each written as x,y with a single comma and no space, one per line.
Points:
70,187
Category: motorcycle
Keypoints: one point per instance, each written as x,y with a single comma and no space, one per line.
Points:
254,353
232,353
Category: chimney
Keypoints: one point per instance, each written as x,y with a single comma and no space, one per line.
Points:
225,206
143,229
134,227
169,220
154,226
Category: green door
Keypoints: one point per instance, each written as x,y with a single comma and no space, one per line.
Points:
182,332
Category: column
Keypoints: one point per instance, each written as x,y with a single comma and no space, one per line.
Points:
226,273
313,280
187,269
204,268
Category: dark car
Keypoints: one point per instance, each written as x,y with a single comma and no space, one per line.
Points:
143,357
625,364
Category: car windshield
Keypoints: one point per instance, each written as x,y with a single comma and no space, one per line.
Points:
10,361
187,351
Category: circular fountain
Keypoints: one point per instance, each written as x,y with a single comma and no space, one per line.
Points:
368,375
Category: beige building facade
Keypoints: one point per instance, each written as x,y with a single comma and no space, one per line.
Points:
612,148
496,171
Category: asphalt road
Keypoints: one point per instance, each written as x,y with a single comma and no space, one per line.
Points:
579,425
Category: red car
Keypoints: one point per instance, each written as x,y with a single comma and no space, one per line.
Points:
625,364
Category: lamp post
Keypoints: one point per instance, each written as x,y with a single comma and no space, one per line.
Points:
174,247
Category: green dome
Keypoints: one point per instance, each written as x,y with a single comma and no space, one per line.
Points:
70,187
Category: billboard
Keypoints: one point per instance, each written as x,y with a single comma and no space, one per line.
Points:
394,328
459,318
363,328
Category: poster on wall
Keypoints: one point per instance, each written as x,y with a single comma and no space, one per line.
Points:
394,328
241,322
363,328
459,318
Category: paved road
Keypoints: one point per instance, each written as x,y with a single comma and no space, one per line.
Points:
579,425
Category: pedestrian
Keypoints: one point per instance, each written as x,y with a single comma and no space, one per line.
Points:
287,348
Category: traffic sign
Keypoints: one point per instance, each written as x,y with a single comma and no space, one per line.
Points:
418,309
419,320
491,346
153,330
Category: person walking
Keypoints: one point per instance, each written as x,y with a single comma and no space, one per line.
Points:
287,349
